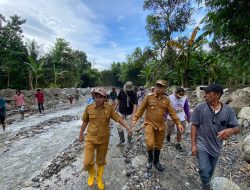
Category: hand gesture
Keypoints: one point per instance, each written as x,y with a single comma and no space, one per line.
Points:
129,131
81,138
133,123
180,127
194,150
225,134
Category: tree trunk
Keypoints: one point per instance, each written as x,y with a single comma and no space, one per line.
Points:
8,81
30,80
36,82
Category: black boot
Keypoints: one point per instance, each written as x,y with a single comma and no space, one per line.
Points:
206,186
122,139
150,159
168,138
129,139
157,164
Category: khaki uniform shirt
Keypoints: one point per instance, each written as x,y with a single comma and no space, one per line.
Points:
98,122
155,107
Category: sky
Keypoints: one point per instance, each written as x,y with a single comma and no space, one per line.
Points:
106,30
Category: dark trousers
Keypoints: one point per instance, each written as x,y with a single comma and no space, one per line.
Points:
207,164
40,107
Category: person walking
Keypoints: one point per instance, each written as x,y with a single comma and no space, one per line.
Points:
180,104
212,122
91,100
113,96
97,117
127,105
141,94
40,100
76,96
20,102
2,112
156,105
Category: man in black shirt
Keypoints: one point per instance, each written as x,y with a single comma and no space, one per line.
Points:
127,105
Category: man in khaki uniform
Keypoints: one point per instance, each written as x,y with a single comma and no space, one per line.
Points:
156,104
97,117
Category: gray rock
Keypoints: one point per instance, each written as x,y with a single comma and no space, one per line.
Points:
244,113
139,161
221,183
199,94
245,147
240,98
35,179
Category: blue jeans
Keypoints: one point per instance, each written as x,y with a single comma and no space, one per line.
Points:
207,164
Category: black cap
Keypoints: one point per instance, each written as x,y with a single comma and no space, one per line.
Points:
213,88
180,92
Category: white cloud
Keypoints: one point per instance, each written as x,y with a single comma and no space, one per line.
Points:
120,18
121,28
68,19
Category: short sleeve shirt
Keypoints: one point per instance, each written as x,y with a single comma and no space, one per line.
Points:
209,124
19,100
126,105
98,122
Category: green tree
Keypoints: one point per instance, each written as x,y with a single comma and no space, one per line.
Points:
228,22
13,53
90,78
168,16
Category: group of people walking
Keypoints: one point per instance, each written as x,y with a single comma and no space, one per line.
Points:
19,102
212,122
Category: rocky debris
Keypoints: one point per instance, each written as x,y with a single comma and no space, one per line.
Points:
240,98
244,121
59,162
244,113
139,160
245,147
181,170
222,183
199,94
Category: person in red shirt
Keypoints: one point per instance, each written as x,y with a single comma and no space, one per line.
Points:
40,100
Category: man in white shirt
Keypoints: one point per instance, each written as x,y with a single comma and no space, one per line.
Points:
180,104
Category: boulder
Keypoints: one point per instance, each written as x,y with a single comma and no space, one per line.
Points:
245,147
139,160
240,98
244,113
199,94
222,183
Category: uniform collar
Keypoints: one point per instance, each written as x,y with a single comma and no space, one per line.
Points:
160,95
104,106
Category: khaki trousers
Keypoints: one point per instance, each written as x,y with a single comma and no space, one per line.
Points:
154,137
89,154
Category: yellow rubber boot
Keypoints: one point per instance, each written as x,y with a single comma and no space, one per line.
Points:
100,171
91,178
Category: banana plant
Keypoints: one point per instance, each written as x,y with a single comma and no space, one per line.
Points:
57,74
186,48
36,68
